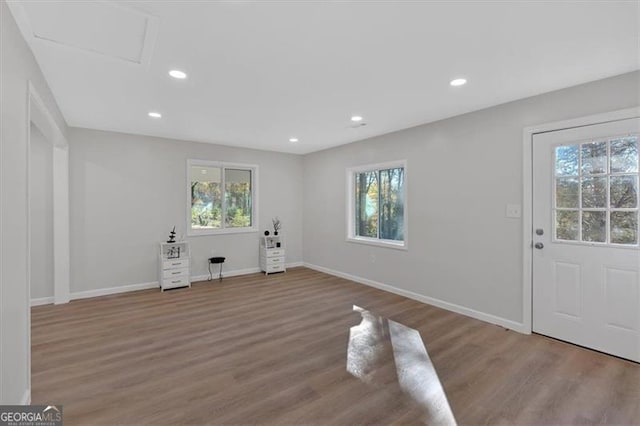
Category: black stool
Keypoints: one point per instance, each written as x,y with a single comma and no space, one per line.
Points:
219,260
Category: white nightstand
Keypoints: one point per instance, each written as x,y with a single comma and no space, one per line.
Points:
272,254
174,265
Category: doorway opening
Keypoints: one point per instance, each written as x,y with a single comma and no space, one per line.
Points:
48,148
41,270
47,179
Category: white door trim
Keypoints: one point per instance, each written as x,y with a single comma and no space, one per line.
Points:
41,117
527,193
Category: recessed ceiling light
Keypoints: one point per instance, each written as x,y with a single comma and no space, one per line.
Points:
458,82
293,139
153,114
356,118
178,74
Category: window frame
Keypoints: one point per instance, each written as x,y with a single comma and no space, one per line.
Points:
223,165
351,205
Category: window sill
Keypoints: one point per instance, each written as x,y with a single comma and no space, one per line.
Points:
205,232
396,245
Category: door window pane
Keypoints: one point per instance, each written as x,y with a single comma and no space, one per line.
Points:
238,198
567,193
594,226
567,225
594,158
624,227
206,197
567,160
367,204
624,192
594,192
624,155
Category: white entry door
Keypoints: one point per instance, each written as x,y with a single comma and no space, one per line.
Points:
586,257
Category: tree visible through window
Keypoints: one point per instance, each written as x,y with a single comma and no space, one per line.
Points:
379,204
221,197
596,191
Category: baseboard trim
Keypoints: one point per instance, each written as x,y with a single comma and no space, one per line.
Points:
42,301
145,286
26,398
225,274
463,310
113,290
238,272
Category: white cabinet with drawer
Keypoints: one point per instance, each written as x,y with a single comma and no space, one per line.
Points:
272,254
174,265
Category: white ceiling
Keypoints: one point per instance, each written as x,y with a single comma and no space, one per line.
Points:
262,72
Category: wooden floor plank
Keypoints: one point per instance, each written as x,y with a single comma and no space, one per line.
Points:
273,350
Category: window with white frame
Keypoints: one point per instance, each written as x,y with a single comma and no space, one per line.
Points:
377,204
221,197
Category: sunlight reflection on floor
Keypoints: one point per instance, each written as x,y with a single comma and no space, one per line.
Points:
369,345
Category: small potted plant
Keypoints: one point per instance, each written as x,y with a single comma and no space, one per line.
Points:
276,225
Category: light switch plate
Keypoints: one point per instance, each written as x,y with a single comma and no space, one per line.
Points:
514,210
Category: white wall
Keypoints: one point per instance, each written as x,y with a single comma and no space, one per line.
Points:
18,66
127,193
461,174
41,208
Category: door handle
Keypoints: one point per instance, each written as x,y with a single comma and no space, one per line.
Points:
539,246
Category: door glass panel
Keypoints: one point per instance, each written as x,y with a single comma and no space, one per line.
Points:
567,225
594,158
567,160
567,193
624,227
624,192
594,226
624,155
594,192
